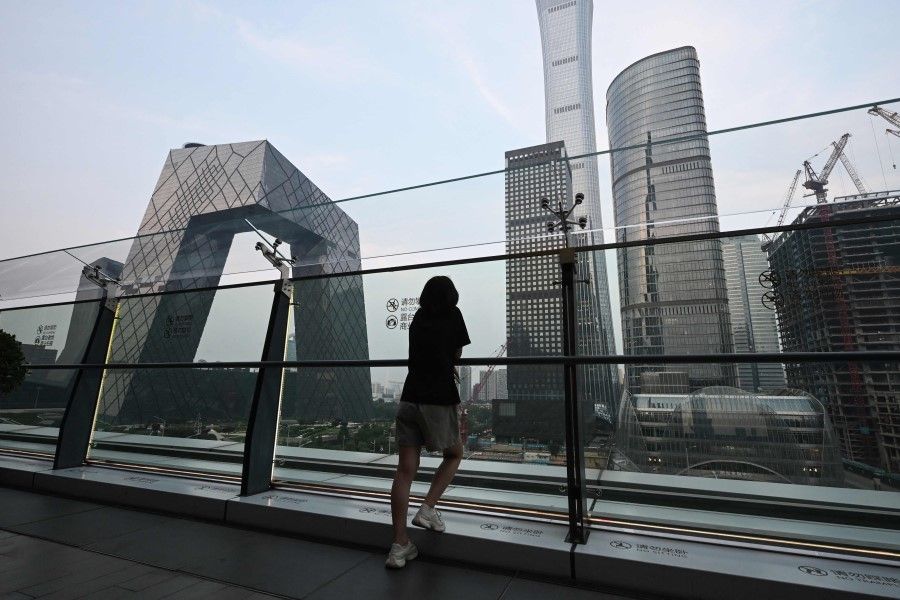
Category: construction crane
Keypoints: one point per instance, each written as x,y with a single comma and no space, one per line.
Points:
476,390
787,202
891,117
487,375
851,171
817,182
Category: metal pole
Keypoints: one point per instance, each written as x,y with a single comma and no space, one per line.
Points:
81,408
574,451
262,427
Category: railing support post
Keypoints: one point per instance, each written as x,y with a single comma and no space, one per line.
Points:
262,427
78,420
574,452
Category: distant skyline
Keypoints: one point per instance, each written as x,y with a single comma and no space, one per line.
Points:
366,96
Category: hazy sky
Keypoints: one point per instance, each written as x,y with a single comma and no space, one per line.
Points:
368,95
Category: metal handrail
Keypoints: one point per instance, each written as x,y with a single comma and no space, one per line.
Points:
837,223
766,357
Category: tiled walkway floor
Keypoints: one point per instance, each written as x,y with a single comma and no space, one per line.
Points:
54,547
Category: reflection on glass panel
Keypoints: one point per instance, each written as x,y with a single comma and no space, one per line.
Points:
781,446
329,323
512,416
831,288
194,410
362,453
31,413
785,435
56,276
368,317
180,419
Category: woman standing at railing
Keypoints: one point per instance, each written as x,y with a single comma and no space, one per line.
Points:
428,411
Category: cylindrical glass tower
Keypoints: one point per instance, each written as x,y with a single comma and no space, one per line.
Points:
674,298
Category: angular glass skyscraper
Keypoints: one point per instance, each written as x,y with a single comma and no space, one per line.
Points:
674,297
569,106
205,196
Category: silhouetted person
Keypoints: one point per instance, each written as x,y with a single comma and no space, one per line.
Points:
428,414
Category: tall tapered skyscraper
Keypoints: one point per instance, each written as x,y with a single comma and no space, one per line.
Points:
569,107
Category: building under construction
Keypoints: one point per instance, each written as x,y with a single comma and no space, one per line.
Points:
837,289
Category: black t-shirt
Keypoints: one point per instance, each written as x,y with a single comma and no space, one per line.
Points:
433,341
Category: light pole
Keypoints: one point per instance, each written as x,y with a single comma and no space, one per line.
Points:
563,223
574,452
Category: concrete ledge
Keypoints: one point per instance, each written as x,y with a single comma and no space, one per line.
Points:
760,492
19,471
626,561
188,497
488,541
698,570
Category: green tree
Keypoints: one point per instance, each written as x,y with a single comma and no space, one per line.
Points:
12,363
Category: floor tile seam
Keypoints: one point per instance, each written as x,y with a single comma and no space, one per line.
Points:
164,521
368,556
77,512
101,576
155,566
508,584
79,560
53,578
182,590
86,545
105,572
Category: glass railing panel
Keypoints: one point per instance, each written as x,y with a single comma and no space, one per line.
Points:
40,278
182,418
458,219
513,414
369,315
31,412
812,453
187,251
832,288
505,463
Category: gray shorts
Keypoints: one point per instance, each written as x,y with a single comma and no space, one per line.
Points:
435,426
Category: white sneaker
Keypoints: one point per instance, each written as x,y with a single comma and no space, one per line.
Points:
398,555
429,518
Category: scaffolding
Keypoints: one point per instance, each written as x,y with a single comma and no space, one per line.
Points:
838,289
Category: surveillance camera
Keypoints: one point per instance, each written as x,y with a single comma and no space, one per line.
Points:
258,245
551,227
579,198
582,222
545,203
